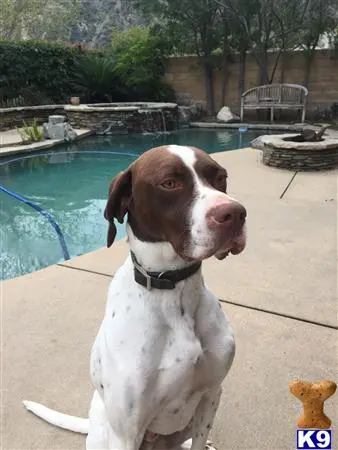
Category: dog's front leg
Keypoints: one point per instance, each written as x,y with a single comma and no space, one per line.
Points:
104,434
128,415
204,418
101,435
129,437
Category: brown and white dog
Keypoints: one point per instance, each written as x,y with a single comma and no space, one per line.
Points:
164,345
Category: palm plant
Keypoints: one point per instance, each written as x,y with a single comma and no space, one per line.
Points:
95,79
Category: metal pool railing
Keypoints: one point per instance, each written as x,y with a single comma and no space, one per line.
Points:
44,213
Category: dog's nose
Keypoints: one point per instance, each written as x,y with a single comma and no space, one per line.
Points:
227,214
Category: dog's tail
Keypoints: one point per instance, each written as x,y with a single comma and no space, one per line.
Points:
71,423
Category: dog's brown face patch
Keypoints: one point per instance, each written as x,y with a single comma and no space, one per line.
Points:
158,191
163,193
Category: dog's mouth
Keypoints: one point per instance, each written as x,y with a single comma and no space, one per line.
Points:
218,248
236,247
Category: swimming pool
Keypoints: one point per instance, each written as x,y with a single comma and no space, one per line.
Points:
71,182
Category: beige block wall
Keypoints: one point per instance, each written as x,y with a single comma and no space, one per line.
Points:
186,76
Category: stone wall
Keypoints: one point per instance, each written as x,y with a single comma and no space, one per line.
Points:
126,118
286,158
13,117
186,77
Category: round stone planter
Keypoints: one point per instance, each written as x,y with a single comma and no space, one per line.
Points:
291,155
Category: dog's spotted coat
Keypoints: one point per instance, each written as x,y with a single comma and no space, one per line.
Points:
160,356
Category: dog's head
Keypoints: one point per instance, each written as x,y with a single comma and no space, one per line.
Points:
178,195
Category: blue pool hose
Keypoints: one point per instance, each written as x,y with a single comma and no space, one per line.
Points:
42,211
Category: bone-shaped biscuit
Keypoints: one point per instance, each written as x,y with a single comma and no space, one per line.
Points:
313,396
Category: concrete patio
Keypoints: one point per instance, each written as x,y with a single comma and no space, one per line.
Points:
280,295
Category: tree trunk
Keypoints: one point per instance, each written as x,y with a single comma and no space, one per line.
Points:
283,67
224,80
264,76
309,54
274,70
241,79
209,88
262,60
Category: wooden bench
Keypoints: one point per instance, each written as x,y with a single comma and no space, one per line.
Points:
275,96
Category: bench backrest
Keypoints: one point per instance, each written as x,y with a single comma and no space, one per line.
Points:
276,93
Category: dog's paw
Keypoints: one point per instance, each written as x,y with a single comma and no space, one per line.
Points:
210,446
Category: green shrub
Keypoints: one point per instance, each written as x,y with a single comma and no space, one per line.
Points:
140,62
31,133
37,71
12,102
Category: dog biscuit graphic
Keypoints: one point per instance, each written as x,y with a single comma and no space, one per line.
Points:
313,396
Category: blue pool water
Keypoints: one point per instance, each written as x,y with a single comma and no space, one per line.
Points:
71,182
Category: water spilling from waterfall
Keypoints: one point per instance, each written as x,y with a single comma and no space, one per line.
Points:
154,121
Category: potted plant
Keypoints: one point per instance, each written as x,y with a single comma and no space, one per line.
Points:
74,100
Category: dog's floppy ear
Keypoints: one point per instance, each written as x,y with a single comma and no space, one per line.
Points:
118,202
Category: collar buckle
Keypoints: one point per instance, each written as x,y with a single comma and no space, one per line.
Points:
145,274
148,278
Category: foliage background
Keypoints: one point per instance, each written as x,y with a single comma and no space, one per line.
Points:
130,61
33,72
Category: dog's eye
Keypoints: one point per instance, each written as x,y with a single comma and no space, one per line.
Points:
171,184
221,178
221,181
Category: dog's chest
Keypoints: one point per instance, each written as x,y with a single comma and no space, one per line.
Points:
150,348
157,327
